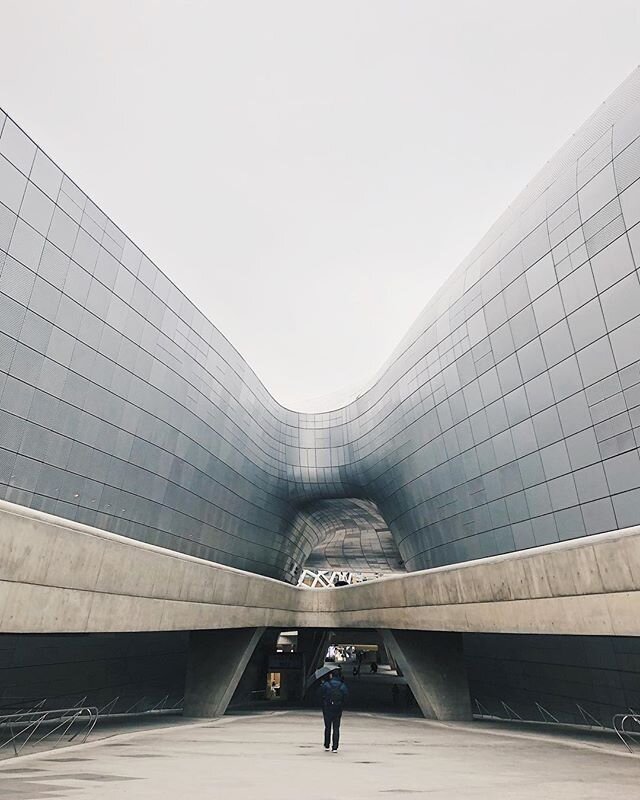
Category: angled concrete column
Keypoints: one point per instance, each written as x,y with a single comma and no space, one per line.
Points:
433,664
217,660
254,678
313,642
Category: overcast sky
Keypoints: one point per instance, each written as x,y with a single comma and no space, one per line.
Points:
309,172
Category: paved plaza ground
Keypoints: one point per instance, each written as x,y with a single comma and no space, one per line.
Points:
278,755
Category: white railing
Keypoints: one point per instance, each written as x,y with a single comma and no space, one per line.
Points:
328,578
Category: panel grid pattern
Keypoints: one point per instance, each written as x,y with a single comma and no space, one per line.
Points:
509,416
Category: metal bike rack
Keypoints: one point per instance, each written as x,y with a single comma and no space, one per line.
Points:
36,723
28,723
619,722
547,717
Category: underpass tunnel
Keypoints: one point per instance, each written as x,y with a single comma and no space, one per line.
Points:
288,668
374,679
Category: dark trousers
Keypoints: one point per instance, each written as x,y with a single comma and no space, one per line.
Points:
331,721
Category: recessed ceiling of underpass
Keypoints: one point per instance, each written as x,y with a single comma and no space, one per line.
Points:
350,534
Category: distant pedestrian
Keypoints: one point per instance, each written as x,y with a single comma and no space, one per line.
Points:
334,691
395,695
408,697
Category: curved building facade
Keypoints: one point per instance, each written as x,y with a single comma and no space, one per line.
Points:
508,417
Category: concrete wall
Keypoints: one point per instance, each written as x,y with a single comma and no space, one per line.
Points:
57,576
600,674
133,669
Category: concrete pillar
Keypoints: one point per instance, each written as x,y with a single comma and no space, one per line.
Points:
433,665
216,662
313,642
253,684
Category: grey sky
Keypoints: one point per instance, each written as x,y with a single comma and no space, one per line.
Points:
309,173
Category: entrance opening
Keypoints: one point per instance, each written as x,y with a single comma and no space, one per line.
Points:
274,684
289,669
374,680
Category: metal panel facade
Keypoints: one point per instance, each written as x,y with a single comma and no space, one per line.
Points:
509,416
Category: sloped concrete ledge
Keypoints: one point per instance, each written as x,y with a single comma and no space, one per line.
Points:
60,576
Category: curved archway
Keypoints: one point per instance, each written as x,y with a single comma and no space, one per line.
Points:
347,534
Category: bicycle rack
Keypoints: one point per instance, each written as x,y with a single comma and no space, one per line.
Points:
28,723
619,721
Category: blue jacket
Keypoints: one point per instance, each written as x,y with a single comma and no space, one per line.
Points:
326,688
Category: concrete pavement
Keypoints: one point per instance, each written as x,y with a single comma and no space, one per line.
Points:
270,756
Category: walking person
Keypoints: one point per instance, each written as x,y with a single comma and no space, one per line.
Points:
334,692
